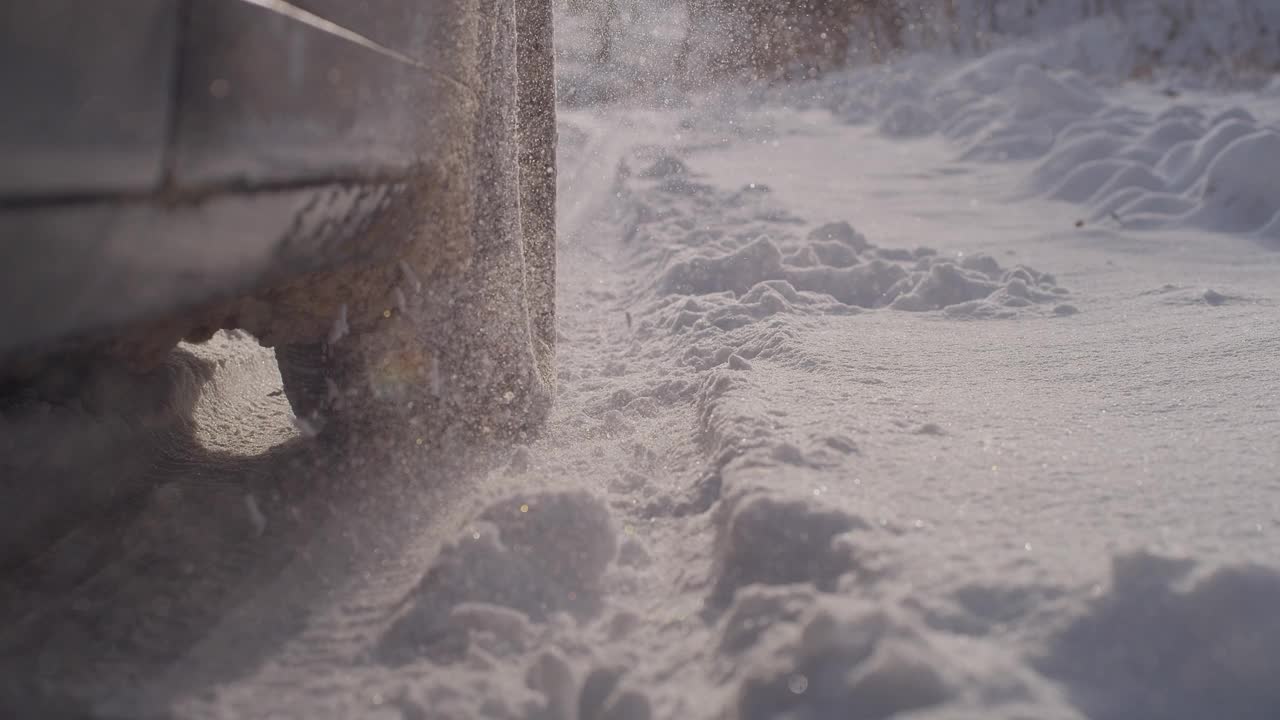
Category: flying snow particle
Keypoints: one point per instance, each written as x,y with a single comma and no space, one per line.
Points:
340,327
437,384
255,514
305,427
410,277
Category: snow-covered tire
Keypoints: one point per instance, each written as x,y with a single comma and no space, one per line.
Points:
462,344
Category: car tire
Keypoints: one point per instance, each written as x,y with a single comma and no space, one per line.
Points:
470,345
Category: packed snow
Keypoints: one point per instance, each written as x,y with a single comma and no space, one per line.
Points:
944,388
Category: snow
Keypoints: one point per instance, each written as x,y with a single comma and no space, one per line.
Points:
340,327
970,508
945,389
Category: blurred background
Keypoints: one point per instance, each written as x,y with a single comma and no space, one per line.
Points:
631,49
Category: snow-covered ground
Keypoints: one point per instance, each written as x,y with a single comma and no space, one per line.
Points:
946,389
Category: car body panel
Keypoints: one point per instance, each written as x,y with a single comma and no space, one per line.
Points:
87,90
109,263
432,33
258,140
268,98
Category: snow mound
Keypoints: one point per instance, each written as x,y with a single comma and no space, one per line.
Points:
522,560
794,654
1239,192
1271,231
1181,165
854,662
1130,177
1219,181
975,286
765,540
759,267
1185,167
1040,93
600,695
1161,137
549,685
1157,645
1084,181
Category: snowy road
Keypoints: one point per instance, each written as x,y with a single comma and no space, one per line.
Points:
946,391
